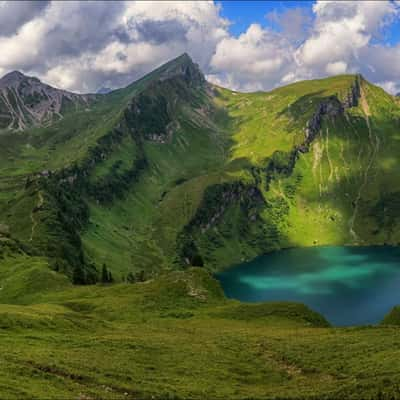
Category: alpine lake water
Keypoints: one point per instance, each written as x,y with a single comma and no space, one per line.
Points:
347,285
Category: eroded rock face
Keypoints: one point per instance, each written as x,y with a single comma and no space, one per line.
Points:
332,108
26,101
4,230
354,94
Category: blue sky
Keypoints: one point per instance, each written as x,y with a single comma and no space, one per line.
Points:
243,45
244,13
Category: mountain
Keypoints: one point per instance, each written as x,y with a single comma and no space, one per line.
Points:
103,90
57,176
172,171
146,190
26,101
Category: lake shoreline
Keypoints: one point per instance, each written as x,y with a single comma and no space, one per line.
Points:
348,285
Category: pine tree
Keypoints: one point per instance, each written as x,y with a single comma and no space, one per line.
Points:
78,276
104,274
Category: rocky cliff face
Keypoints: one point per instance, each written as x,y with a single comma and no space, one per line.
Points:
331,107
283,163
354,93
26,101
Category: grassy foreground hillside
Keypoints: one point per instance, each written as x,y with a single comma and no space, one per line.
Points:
177,337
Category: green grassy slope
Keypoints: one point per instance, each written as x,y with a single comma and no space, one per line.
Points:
347,178
178,337
144,195
345,187
172,171
343,190
88,160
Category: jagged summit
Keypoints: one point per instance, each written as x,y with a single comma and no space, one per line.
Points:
25,101
181,66
103,90
184,66
13,78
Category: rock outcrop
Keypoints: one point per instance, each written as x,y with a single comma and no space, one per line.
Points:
354,94
331,107
25,101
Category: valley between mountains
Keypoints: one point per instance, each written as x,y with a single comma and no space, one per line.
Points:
115,208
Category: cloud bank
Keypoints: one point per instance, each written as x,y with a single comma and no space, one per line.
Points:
82,46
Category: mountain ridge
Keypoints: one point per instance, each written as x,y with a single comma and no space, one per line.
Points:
180,65
25,102
172,171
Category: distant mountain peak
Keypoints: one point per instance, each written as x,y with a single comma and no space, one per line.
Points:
25,101
103,90
12,78
14,75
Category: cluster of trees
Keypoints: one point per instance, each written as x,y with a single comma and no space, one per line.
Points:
62,215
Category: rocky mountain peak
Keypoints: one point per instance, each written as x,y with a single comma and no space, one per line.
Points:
185,67
12,78
103,90
25,101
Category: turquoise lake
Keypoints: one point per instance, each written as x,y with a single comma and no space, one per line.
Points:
348,285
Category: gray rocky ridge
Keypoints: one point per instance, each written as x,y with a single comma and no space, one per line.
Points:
25,101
